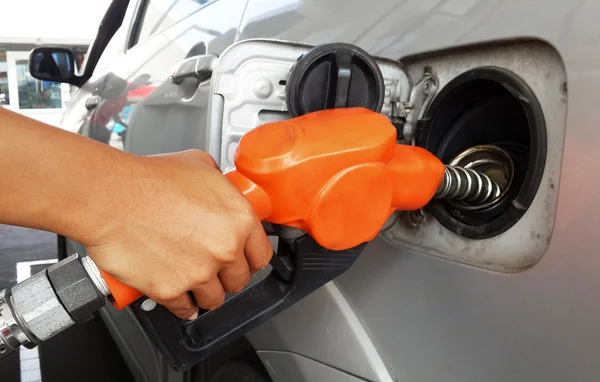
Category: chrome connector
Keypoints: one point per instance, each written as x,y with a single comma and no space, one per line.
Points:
468,186
12,335
477,178
92,270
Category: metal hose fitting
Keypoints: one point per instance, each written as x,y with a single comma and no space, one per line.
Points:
92,270
467,186
477,178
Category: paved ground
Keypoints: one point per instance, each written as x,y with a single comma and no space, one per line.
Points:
22,244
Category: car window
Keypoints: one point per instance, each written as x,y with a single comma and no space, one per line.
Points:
157,15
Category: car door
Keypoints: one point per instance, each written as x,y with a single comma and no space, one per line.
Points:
132,104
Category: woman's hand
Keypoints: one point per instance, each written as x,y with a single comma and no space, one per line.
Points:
179,226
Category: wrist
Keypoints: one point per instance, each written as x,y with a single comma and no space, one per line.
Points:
99,207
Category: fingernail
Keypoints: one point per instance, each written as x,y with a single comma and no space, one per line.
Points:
193,316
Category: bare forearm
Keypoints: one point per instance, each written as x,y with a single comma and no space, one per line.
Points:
55,180
134,214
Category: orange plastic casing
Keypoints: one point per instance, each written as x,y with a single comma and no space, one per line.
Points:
337,174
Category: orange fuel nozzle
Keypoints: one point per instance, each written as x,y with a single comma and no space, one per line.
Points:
337,174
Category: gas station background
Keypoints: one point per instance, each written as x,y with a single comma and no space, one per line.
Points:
68,23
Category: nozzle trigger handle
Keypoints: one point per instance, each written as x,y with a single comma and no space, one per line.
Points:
299,267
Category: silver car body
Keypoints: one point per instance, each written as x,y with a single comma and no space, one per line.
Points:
420,304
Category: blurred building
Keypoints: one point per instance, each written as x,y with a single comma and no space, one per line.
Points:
30,23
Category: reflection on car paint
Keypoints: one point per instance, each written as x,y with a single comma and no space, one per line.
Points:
109,121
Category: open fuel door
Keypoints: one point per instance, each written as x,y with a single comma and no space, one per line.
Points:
254,82
258,81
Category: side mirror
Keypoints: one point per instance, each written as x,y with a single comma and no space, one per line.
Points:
53,64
